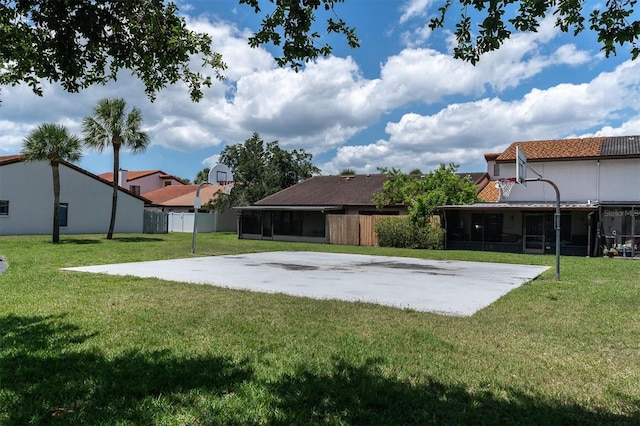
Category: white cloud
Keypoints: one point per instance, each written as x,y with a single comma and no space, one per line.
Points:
464,132
329,103
414,8
211,161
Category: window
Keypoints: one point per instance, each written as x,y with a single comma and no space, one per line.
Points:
4,207
496,169
287,223
64,213
167,183
135,189
251,222
486,227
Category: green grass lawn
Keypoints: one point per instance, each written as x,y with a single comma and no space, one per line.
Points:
94,349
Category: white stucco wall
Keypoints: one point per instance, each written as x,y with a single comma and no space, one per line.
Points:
603,180
29,189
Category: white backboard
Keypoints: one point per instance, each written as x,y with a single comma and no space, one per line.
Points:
220,174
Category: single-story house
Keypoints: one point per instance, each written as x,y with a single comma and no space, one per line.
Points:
302,211
324,209
26,200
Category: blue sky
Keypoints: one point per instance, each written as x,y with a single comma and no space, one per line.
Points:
400,100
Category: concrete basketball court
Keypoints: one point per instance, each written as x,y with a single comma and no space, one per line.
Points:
440,286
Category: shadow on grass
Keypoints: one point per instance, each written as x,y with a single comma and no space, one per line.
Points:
349,394
43,380
137,239
79,241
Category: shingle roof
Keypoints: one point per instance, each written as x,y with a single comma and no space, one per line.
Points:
621,145
355,190
476,177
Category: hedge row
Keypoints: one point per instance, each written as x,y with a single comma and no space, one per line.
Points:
400,232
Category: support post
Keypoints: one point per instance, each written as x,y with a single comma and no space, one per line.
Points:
556,222
196,207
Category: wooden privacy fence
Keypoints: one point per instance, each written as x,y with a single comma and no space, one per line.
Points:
355,230
359,230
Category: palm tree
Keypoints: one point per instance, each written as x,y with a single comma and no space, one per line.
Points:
202,176
54,143
112,125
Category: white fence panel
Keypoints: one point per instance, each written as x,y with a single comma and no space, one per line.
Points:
183,222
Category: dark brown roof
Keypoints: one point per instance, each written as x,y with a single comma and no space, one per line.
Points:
355,190
476,177
8,159
621,146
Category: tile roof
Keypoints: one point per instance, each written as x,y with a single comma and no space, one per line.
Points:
354,190
554,149
490,193
574,148
138,174
181,195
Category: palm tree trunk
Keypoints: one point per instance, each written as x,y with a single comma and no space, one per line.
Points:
116,183
55,238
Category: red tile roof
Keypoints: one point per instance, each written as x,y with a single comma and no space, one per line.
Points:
138,174
181,195
555,149
490,193
160,195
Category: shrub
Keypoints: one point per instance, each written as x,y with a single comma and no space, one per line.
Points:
400,232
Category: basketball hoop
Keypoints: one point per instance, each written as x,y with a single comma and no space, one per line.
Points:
226,185
505,185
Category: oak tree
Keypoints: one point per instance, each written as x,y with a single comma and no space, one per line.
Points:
260,170
483,25
422,194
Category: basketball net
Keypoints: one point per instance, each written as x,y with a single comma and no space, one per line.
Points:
226,186
505,186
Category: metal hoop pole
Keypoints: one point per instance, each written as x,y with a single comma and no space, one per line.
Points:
556,223
196,207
